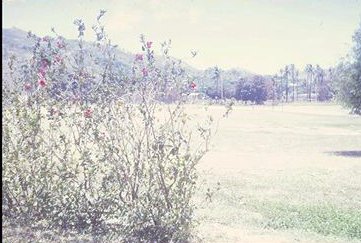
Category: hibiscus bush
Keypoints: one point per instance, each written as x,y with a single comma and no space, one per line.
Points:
91,147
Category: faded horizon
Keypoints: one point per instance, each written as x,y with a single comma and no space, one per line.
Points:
259,36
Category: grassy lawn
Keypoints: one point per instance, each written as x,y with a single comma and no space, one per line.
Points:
286,174
322,219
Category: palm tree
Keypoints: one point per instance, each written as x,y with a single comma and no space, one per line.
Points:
281,82
321,85
297,74
292,70
274,88
216,77
287,73
309,80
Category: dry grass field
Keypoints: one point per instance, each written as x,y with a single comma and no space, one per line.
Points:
287,174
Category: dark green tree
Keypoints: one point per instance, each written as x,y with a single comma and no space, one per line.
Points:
259,90
348,77
253,90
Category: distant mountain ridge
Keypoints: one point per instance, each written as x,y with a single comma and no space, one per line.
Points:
15,42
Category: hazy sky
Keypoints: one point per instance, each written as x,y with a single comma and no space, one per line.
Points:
259,35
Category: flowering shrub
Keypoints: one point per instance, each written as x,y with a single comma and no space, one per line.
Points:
92,149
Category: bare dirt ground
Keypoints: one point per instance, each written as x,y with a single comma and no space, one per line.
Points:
287,174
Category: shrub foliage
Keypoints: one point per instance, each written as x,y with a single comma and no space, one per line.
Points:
90,148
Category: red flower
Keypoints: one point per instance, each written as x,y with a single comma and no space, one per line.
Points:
43,68
149,44
193,85
60,45
27,86
145,72
42,82
139,57
58,58
88,113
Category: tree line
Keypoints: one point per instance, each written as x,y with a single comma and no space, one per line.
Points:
291,84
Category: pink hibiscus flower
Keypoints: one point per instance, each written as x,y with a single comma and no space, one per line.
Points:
149,44
27,86
88,113
42,82
139,57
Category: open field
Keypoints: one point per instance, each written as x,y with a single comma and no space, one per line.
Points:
287,174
